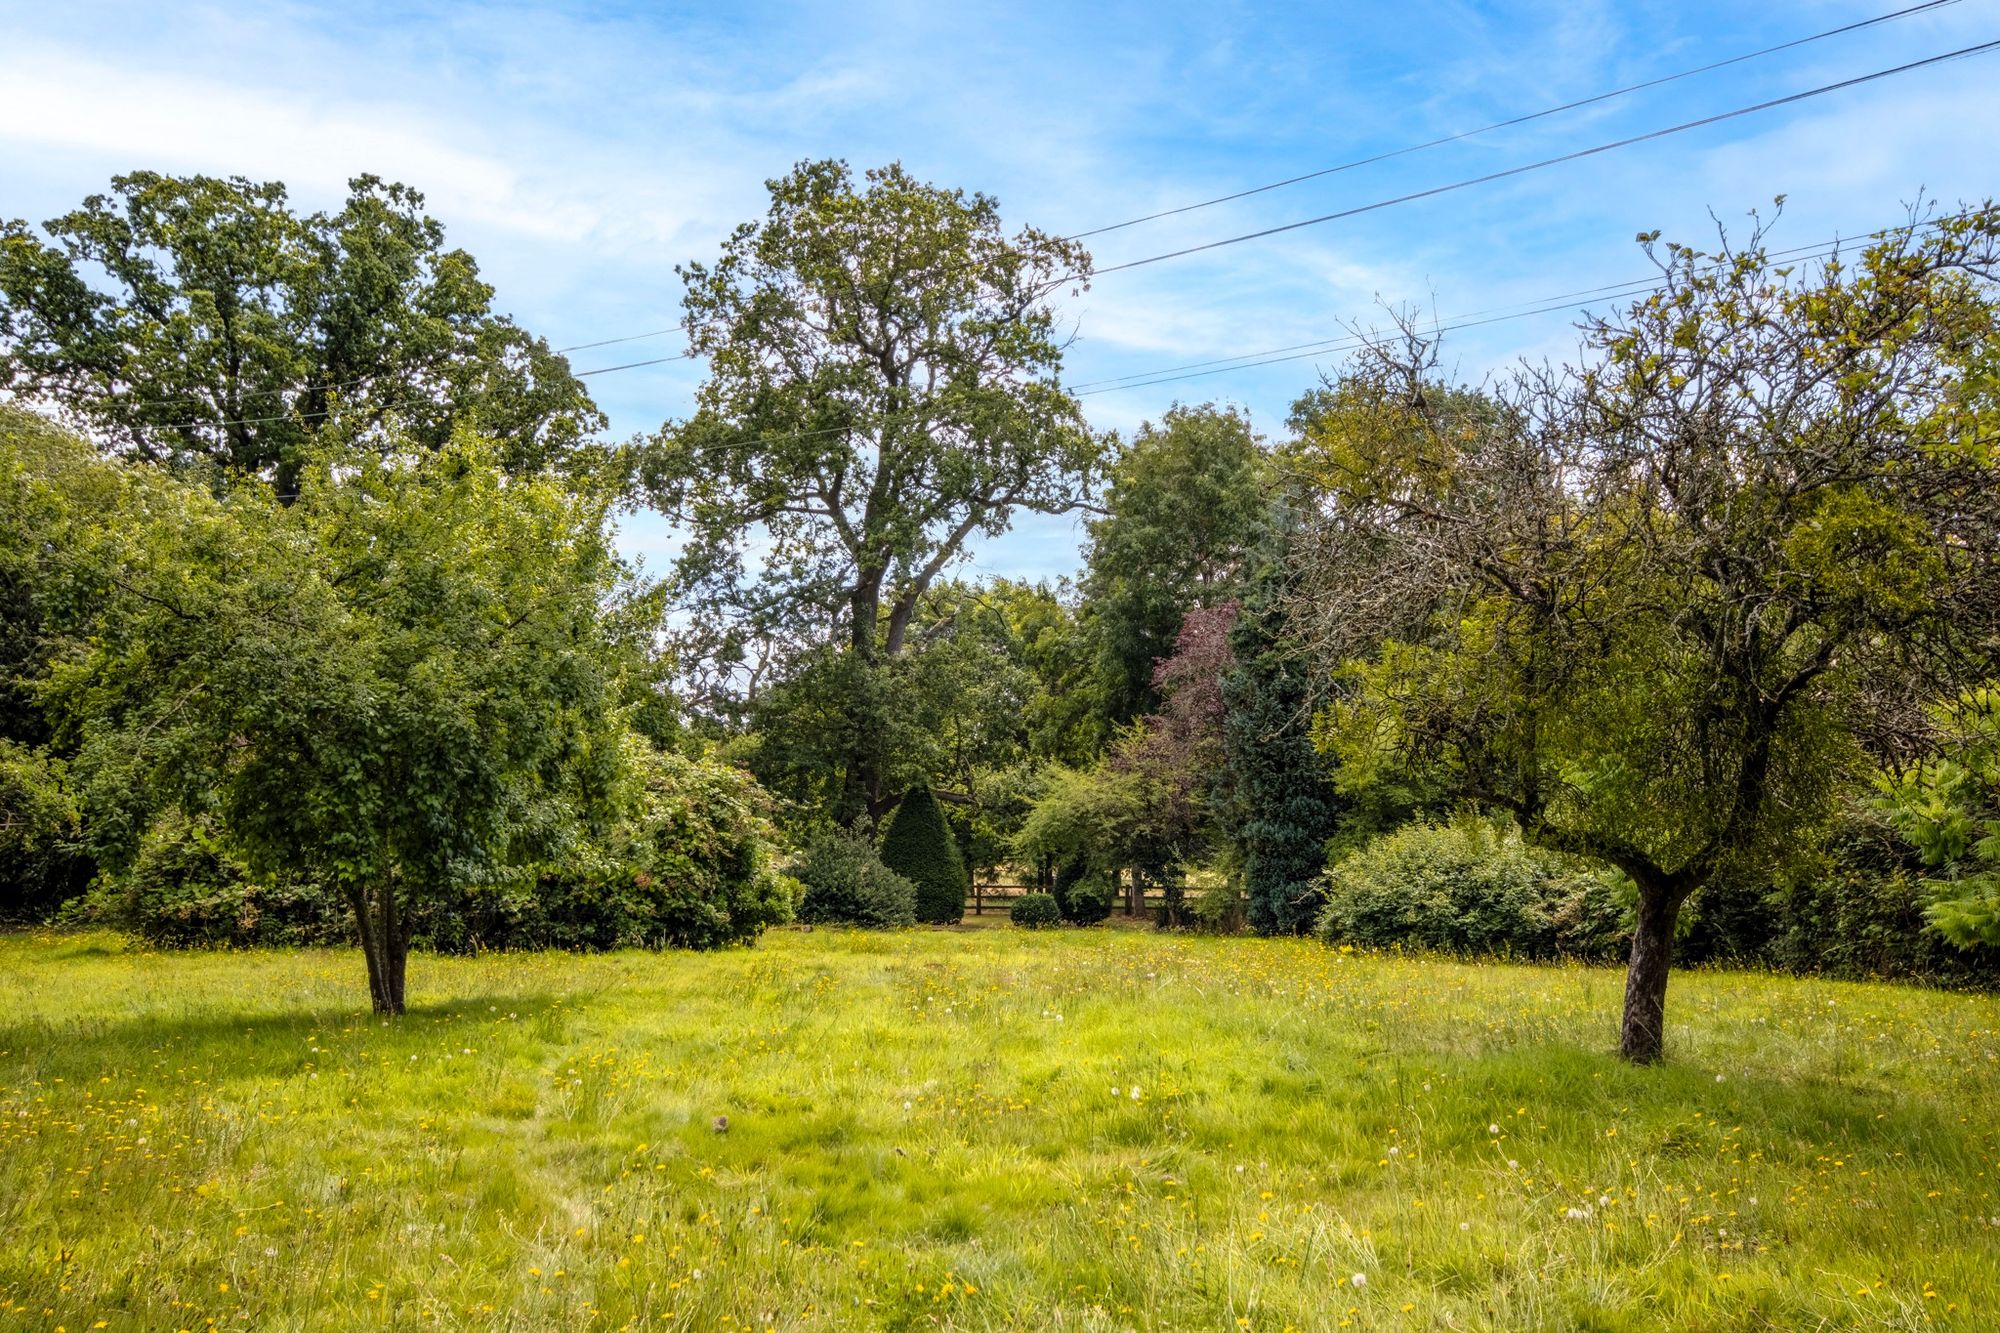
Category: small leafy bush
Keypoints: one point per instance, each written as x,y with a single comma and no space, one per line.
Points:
1470,887
1032,911
1217,909
918,846
846,884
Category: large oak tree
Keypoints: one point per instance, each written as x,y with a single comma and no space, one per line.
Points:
203,322
883,386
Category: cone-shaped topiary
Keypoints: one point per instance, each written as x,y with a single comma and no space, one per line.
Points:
919,847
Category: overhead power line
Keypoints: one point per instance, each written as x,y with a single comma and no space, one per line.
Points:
1517,120
1572,300
1716,119
1243,361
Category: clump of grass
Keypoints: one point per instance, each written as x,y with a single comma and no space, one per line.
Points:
979,1130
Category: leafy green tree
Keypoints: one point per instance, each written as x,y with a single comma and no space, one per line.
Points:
202,322
44,856
882,387
1185,503
40,834
1658,608
918,846
405,682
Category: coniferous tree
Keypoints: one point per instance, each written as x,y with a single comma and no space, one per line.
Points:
918,846
1279,782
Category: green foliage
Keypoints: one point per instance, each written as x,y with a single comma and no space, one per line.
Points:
1859,909
1217,908
1185,503
1032,911
1470,888
40,834
1089,817
893,353
1949,809
1083,895
918,846
403,684
184,889
173,305
846,884
689,863
1282,806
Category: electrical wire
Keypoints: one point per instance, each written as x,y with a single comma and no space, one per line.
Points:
1573,300
1821,91
1516,120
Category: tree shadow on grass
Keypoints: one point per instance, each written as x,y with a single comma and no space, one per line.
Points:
256,1044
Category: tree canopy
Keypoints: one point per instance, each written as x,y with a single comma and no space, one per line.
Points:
1656,607
205,323
882,386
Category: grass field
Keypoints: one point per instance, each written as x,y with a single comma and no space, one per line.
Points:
980,1129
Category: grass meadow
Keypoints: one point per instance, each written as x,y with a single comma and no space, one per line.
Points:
980,1129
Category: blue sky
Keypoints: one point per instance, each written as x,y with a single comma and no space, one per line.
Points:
581,150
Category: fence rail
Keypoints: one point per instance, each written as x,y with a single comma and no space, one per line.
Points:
1000,897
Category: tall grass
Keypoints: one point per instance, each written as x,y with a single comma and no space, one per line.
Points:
980,1129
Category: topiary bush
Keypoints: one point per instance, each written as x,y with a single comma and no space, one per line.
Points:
918,846
1032,911
846,884
1470,887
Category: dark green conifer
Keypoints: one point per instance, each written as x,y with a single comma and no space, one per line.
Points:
918,846
1280,783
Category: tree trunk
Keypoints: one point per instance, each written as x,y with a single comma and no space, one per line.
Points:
1176,900
1135,894
385,944
1642,1038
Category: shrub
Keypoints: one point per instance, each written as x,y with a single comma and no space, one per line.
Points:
1469,887
690,864
1218,909
42,860
1082,895
1859,910
918,846
185,889
846,884
1032,911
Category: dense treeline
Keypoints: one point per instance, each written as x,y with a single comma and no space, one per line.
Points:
1682,652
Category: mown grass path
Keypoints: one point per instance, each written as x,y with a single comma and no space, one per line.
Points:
980,1129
